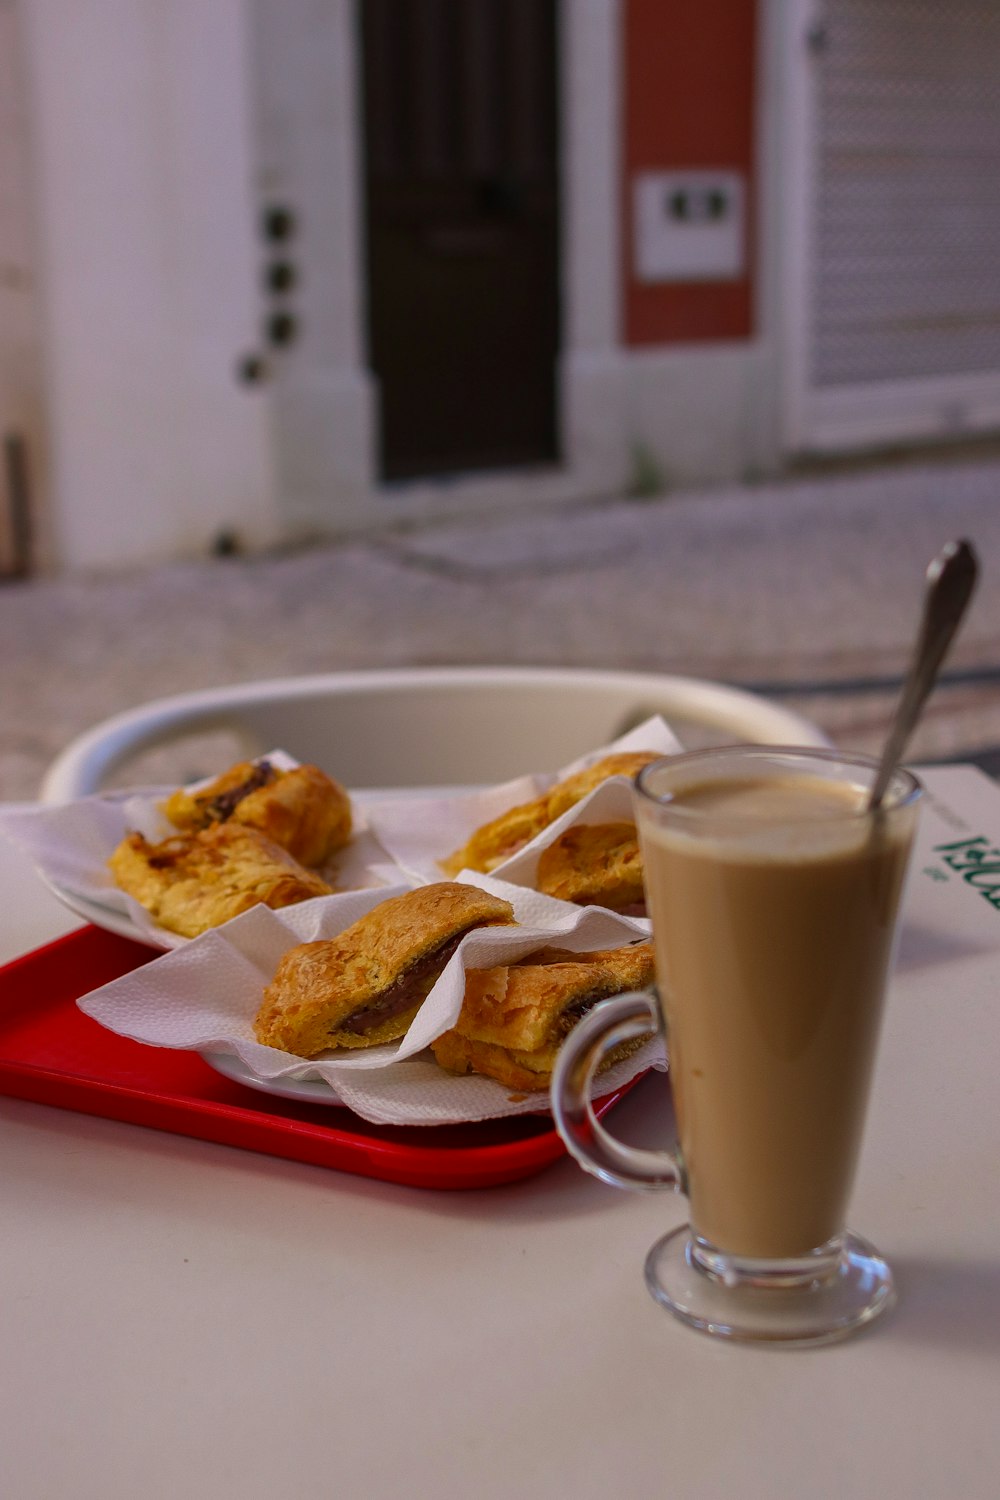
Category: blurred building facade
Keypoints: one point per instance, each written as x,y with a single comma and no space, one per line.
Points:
273,269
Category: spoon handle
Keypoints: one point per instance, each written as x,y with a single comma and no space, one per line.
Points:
951,579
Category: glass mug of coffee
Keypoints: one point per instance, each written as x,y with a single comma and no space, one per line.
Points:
773,894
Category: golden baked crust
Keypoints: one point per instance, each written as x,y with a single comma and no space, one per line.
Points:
596,864
514,1018
503,836
303,809
497,840
623,763
526,1072
366,985
521,1005
195,881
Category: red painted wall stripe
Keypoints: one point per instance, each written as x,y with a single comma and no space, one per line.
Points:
690,69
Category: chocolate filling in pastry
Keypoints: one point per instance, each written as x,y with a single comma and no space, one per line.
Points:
225,804
168,854
515,1017
363,987
568,1018
404,993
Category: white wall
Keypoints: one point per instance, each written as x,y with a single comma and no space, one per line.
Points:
141,134
154,142
694,410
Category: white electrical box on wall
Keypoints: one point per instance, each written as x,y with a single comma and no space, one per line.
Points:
689,226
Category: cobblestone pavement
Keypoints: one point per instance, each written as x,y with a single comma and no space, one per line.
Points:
807,590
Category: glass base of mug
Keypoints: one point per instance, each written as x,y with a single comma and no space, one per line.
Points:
812,1299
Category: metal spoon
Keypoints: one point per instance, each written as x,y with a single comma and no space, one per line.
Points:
951,579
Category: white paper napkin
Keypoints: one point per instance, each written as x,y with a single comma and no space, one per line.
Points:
418,832
204,997
70,845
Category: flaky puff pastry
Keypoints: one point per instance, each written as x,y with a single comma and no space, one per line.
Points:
502,837
597,864
365,986
514,1019
195,881
303,809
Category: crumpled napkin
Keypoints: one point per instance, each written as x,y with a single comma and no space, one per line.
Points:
204,997
417,832
70,845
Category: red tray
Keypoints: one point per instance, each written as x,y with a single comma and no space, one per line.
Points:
50,1052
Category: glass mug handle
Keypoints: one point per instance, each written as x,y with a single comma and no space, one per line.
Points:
625,1018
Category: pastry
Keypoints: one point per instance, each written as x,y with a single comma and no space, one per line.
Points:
514,1018
595,864
366,985
502,837
302,809
573,789
194,881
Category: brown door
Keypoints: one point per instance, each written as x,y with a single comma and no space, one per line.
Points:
462,218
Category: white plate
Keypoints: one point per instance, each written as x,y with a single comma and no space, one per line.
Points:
98,914
302,1090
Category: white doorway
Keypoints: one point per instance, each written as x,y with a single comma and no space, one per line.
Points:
310,185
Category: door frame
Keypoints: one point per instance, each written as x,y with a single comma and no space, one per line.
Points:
872,414
324,419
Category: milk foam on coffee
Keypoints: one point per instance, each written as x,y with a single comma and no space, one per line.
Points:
772,1023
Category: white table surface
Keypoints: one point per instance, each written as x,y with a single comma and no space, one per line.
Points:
179,1319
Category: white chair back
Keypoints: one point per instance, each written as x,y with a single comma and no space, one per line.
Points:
450,726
